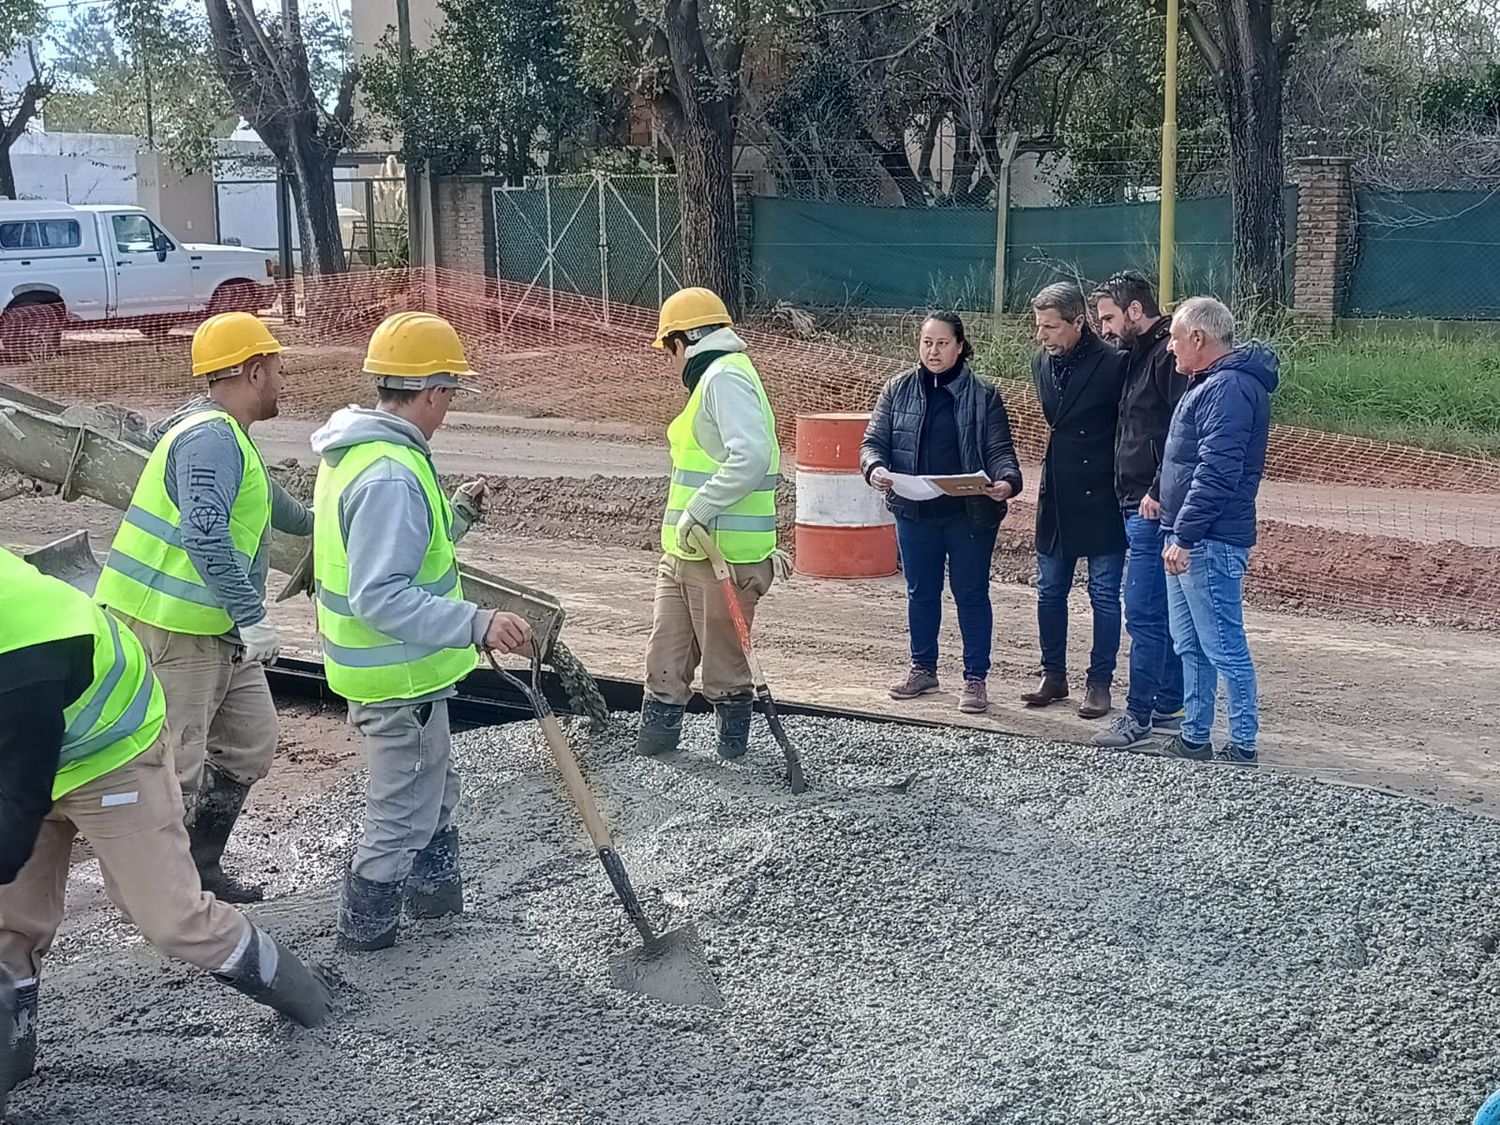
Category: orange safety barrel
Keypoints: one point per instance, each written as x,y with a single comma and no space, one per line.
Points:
844,529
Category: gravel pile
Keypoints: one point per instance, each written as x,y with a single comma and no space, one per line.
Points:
951,927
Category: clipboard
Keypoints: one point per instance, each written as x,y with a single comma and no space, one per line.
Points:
972,485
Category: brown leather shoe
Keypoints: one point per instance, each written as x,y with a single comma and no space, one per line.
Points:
1054,686
1096,702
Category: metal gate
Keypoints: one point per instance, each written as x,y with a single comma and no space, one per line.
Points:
614,237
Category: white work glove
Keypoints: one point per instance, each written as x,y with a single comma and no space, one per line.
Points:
781,565
469,498
262,644
686,525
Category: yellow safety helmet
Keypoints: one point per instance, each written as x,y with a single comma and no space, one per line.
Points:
414,350
689,308
228,339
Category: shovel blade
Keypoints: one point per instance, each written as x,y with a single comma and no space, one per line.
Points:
672,967
70,559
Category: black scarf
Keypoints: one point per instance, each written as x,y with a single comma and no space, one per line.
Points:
696,366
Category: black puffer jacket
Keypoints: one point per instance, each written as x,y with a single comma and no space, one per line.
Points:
895,433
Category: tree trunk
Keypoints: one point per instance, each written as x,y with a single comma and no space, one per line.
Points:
317,209
703,150
1250,82
7,173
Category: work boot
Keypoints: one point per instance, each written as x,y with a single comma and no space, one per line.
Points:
1096,702
436,886
18,1006
369,913
218,807
661,726
1054,686
271,974
917,681
975,699
732,719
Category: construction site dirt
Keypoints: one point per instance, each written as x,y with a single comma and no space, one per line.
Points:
505,1015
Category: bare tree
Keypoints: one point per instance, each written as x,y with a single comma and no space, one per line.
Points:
17,114
267,72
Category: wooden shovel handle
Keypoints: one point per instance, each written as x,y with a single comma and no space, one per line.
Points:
578,788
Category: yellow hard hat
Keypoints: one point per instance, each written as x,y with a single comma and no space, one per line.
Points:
412,350
689,308
228,339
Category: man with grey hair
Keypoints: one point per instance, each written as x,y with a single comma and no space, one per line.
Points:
1078,378
1213,462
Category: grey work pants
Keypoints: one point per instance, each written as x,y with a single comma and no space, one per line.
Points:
413,786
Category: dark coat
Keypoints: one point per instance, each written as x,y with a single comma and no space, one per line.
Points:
1216,450
1153,386
1077,515
893,438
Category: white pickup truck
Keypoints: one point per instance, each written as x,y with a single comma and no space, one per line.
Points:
65,266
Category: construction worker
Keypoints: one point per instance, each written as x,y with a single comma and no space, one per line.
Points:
397,634
83,752
187,572
725,462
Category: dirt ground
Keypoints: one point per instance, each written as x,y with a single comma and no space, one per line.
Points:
1408,708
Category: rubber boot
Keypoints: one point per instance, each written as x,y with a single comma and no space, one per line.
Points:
271,974
436,886
661,726
733,722
369,914
219,804
18,1026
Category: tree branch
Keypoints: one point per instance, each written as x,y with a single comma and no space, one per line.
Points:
1203,38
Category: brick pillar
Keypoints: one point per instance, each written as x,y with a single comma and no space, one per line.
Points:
1325,239
459,224
744,224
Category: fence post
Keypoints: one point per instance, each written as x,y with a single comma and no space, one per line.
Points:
551,255
600,178
656,185
1002,218
1325,239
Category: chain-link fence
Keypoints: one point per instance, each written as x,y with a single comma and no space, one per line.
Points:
615,237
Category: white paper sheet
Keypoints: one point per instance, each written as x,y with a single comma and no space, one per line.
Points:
922,488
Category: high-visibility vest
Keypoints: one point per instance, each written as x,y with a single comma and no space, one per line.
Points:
746,532
121,712
148,574
362,664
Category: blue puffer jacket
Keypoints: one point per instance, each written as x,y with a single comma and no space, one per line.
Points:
1216,450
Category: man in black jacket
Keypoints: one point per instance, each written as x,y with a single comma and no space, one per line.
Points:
1128,312
1078,378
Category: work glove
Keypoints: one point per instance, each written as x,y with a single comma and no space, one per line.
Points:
261,642
468,500
781,565
686,524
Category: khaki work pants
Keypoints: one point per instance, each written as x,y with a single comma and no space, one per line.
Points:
132,817
690,625
219,710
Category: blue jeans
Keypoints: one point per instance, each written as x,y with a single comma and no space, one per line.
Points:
1208,627
966,548
1054,580
1155,670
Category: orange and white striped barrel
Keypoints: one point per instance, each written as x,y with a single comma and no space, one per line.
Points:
844,529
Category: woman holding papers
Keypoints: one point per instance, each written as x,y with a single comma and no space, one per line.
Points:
939,446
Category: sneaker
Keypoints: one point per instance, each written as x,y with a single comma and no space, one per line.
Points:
918,681
975,699
1179,747
1232,753
1163,722
1123,733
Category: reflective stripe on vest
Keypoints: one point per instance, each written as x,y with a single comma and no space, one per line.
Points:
148,574
361,663
746,531
121,713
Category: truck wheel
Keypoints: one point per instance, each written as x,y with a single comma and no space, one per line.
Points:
236,296
32,331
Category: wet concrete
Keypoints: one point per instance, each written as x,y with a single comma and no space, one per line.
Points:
1017,934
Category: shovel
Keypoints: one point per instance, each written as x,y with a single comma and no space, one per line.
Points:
671,966
70,559
705,543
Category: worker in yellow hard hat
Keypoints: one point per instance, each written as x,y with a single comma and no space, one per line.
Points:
725,464
397,632
187,572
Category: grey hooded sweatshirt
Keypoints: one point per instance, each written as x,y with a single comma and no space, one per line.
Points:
732,430
386,523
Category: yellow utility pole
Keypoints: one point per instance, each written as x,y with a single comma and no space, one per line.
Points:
1169,165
